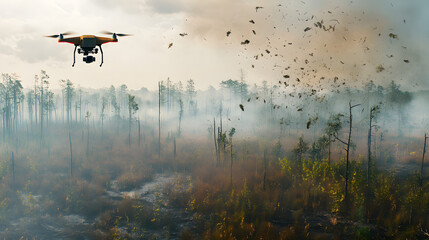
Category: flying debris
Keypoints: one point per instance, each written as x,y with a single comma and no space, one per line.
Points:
242,107
392,35
312,121
379,68
245,42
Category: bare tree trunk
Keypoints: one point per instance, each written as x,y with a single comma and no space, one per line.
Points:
129,129
368,170
329,150
423,160
219,137
159,119
71,156
138,121
265,168
369,152
215,143
346,198
41,110
13,171
102,123
230,179
347,156
375,148
87,139
174,148
35,102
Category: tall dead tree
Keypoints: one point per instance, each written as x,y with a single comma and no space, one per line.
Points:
174,149
138,124
230,169
179,131
265,169
13,171
159,119
215,142
36,97
348,147
87,116
71,156
423,160
335,126
372,115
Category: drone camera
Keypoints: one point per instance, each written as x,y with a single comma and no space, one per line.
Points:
89,59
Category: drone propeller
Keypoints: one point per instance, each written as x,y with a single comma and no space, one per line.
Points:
117,34
57,35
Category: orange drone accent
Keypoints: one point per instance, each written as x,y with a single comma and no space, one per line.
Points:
88,44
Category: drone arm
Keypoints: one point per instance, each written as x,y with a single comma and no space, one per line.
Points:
101,50
74,55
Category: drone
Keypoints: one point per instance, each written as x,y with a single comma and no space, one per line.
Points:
86,44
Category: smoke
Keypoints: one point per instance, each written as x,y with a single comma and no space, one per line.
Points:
45,50
328,44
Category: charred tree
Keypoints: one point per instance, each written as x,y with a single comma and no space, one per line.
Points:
423,160
230,169
334,125
215,142
368,193
265,169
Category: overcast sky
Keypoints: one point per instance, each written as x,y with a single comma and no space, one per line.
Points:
279,42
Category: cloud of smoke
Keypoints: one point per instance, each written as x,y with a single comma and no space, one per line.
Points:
328,44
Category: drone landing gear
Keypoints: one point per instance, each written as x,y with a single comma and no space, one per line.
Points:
74,55
101,50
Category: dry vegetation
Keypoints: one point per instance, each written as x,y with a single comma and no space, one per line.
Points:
262,172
